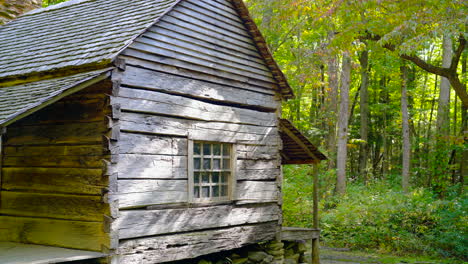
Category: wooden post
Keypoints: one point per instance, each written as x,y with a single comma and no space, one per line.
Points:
315,241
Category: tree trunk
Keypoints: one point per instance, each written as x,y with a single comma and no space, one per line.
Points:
10,9
343,125
443,111
332,109
364,108
405,172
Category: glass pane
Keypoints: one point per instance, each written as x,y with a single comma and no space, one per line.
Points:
215,177
205,178
196,177
216,149
197,163
226,164
196,192
224,190
226,150
225,177
215,191
216,164
206,164
206,192
206,149
196,148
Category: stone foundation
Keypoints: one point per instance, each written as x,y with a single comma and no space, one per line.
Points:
273,252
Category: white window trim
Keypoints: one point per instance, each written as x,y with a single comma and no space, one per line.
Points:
232,181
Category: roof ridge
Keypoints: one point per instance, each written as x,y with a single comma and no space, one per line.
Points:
54,7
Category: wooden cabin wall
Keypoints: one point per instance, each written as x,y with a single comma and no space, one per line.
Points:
196,74
53,179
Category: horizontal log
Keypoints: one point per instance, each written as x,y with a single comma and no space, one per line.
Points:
52,232
207,131
72,207
137,193
158,81
62,150
261,174
140,59
141,53
82,133
53,161
152,166
257,192
56,180
130,143
138,223
193,244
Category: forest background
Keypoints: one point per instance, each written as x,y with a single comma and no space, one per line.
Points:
380,87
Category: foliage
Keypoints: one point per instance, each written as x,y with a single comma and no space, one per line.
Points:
46,3
379,216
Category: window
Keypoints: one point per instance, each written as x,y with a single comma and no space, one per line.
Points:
211,171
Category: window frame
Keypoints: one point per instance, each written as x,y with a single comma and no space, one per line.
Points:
231,182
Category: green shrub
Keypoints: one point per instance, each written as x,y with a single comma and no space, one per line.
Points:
379,217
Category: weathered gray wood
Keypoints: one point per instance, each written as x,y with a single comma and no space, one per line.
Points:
60,180
161,32
188,108
137,58
137,193
54,161
142,54
220,13
73,207
61,150
202,56
222,5
17,253
262,174
138,223
201,38
211,131
258,164
194,244
152,80
137,166
257,191
295,233
149,144
62,233
159,54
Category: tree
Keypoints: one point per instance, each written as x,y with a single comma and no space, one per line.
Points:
364,107
341,156
405,130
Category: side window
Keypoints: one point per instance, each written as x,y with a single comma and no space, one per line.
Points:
211,171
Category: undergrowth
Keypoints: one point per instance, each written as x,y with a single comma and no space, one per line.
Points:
379,216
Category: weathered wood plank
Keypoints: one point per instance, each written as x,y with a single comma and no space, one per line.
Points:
157,81
202,56
137,58
201,38
60,233
59,180
198,40
54,161
296,233
190,62
218,13
163,104
262,174
142,54
62,150
180,127
137,193
137,223
137,166
85,133
73,207
257,191
149,144
194,244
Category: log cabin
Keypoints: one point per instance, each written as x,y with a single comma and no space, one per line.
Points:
142,131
